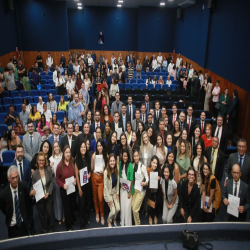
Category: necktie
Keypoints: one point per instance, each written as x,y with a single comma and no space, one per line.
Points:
130,111
97,125
235,189
116,125
55,139
17,210
217,134
143,118
21,171
202,128
181,127
31,143
189,124
240,163
136,126
173,120
147,107
212,160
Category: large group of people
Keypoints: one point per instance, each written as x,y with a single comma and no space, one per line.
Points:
136,159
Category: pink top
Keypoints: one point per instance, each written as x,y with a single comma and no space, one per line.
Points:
216,92
207,143
173,73
41,131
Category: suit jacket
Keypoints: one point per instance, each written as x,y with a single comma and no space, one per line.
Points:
243,195
223,139
150,106
48,177
196,85
146,117
51,139
233,108
114,107
119,126
26,172
108,190
245,169
29,152
6,204
165,134
134,125
192,125
192,141
83,137
150,154
185,125
160,116
204,126
170,120
219,167
74,144
92,128
128,119
152,125
134,108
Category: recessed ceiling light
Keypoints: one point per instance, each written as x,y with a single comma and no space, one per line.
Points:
76,0
79,4
170,0
119,5
79,8
120,1
162,4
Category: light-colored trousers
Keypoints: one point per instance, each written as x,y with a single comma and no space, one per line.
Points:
168,214
137,200
114,210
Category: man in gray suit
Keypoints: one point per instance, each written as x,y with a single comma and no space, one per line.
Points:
240,158
117,104
31,142
136,120
238,188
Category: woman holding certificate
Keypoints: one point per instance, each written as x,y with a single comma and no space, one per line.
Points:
112,146
111,189
126,172
65,179
43,174
98,163
83,173
124,144
97,135
141,181
174,168
211,194
146,150
160,150
154,191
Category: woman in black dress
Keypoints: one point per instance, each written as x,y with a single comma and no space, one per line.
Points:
98,101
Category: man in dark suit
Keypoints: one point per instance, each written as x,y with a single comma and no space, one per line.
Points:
157,113
162,130
174,116
149,105
70,139
116,123
97,123
124,117
191,121
15,205
221,133
136,120
55,136
238,188
131,108
196,86
149,122
182,120
215,158
202,123
143,113
85,135
240,158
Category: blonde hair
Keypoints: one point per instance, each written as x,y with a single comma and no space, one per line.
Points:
53,151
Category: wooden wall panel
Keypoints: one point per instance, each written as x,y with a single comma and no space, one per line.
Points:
4,59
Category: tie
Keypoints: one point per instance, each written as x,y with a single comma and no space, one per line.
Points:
18,212
240,163
173,120
136,125
189,124
31,143
181,127
235,189
130,111
21,171
202,128
55,139
212,160
97,125
147,107
157,115
217,134
143,118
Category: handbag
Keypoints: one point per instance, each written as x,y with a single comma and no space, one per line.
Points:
151,203
191,241
217,105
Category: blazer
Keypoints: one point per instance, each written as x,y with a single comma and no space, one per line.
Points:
150,106
134,125
204,126
243,195
112,126
192,125
170,120
134,108
233,107
189,203
51,139
219,167
128,119
160,116
192,141
6,204
26,172
152,125
83,137
150,154
165,134
29,152
223,139
146,117
245,169
185,125
74,144
92,128
92,147
48,176
114,107
108,190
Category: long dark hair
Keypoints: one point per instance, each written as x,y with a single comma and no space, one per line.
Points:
42,124
125,150
104,153
50,148
32,110
154,157
171,166
109,172
203,176
171,175
201,161
79,160
121,147
110,146
63,157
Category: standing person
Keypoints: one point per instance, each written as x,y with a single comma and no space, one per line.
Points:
15,205
208,90
126,171
111,189
26,82
160,150
51,104
83,161
97,180
146,149
65,169
207,137
44,206
224,101
170,196
138,70
216,95
60,84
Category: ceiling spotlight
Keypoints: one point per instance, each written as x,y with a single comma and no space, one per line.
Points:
162,4
76,0
119,5
120,1
79,4
79,8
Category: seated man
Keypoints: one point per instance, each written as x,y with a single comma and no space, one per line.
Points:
238,188
11,117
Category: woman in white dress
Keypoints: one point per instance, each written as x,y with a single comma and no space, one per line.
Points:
160,150
208,89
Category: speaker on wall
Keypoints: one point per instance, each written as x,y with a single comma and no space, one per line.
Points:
179,13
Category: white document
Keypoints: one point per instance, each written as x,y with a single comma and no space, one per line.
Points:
206,203
71,186
83,173
99,163
234,203
38,186
57,161
138,179
125,183
153,183
119,132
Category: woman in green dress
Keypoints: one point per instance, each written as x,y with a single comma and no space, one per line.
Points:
26,82
224,101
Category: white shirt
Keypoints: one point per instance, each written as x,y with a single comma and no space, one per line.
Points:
201,79
154,64
70,86
87,83
19,170
159,60
169,82
49,61
13,220
170,67
123,68
190,73
220,133
59,81
178,62
40,107
54,76
47,115
70,141
238,187
90,61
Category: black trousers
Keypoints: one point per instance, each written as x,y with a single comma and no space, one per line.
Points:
14,232
85,204
44,208
205,217
68,202
156,197
215,110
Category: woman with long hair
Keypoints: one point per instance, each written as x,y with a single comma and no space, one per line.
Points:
88,117
208,89
51,104
146,150
134,141
41,125
184,136
53,122
13,140
65,170
18,127
124,144
141,129
173,166
160,150
107,131
112,146
83,160
111,189
97,179
78,83
77,130
35,116
60,84
106,114
195,139
98,101
151,135
105,98
176,131
62,106
128,132
169,143
126,171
